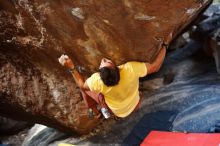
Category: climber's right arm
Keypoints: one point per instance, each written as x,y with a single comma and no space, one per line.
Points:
156,64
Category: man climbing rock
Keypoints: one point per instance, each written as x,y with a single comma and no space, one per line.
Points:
118,84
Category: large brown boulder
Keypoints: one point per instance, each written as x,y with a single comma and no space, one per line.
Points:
34,33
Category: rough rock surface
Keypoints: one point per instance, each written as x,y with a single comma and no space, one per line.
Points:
33,34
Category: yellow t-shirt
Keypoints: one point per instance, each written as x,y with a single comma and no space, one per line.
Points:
123,97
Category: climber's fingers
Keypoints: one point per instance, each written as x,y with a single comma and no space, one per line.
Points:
63,59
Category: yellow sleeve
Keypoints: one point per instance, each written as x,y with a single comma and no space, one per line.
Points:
94,83
139,68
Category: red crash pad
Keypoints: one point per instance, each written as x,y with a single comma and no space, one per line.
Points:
158,138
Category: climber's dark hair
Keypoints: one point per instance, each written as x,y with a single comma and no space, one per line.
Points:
110,76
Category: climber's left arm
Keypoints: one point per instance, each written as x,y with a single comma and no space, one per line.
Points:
67,62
